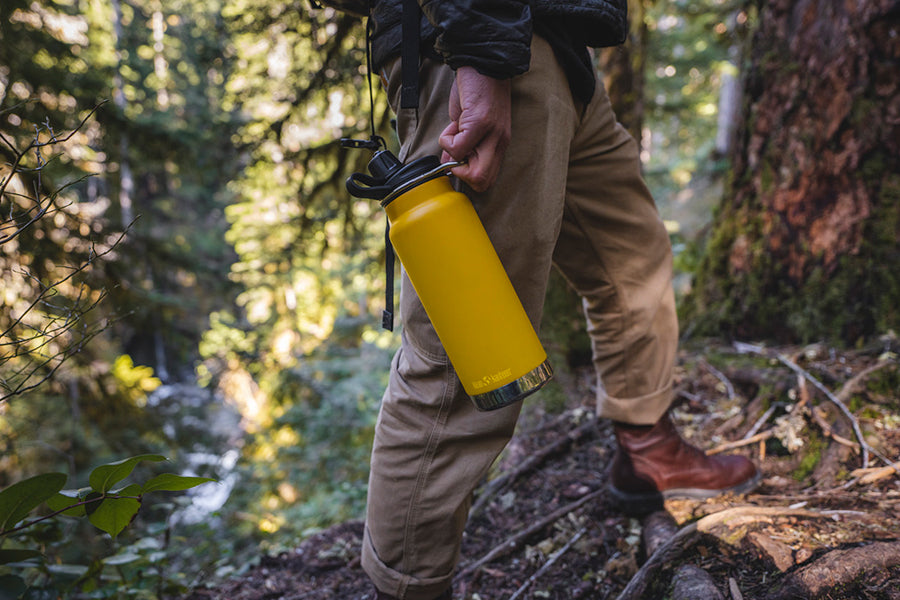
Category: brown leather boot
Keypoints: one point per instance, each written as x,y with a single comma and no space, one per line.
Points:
653,463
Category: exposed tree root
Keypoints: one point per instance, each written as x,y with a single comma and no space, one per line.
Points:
836,569
669,550
693,583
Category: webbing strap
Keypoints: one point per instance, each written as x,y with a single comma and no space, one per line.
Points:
409,54
409,98
387,316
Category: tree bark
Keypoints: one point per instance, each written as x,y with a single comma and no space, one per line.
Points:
807,238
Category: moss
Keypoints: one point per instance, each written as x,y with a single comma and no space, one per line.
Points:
811,457
766,178
852,300
870,412
884,386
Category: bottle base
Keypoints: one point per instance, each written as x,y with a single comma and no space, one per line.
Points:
516,390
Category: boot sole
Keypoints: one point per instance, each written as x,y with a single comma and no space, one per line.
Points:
646,502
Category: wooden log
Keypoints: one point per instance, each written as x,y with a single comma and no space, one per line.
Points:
693,583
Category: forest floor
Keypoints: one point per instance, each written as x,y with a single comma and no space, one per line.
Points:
543,527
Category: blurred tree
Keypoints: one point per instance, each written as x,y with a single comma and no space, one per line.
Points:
169,141
309,267
623,70
806,242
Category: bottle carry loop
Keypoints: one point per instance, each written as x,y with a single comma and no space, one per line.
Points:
409,98
391,180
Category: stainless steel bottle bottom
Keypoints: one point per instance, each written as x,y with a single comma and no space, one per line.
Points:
514,391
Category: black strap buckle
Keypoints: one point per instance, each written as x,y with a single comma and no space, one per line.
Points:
373,143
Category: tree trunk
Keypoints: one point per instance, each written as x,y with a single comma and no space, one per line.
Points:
622,69
126,178
805,244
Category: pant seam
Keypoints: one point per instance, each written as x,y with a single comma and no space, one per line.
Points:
625,322
410,549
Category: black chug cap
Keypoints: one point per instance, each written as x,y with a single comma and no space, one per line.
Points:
388,174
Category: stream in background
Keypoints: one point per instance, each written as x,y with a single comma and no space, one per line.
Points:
209,433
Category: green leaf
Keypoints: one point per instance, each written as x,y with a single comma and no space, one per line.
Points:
105,476
122,559
68,570
61,502
132,489
114,514
169,482
11,587
21,498
12,556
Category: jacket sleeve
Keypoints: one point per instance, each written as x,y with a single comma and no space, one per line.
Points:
494,36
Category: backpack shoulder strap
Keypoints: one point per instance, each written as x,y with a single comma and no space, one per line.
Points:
409,54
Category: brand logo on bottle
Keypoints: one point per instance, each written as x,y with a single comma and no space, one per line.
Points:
491,379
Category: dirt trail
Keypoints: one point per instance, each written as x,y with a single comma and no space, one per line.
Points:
542,527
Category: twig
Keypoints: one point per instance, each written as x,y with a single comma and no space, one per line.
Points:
548,564
760,422
853,383
495,486
828,430
515,541
729,388
740,443
871,475
864,446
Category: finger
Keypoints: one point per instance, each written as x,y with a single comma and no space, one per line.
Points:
447,137
463,139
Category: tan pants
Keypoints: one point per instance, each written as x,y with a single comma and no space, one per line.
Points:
569,193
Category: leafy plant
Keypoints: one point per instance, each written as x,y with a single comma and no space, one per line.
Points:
106,507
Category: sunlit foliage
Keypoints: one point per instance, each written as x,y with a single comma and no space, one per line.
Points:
694,49
310,265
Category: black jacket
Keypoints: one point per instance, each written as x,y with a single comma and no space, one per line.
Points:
494,36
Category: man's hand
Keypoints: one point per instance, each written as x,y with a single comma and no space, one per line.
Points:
480,127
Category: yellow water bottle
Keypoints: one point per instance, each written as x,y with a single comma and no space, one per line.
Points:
457,275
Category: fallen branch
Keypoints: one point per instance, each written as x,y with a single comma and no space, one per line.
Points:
664,553
854,422
515,541
837,569
500,483
553,558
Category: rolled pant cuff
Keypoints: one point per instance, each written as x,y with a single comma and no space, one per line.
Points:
399,584
642,410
